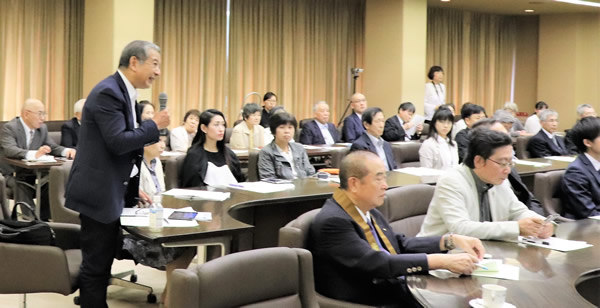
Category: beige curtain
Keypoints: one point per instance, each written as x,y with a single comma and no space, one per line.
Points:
40,55
300,50
191,34
476,51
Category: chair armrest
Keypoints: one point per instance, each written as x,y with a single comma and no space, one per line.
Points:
291,237
184,288
67,235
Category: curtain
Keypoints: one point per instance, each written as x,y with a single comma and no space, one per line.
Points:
476,51
192,37
40,55
300,50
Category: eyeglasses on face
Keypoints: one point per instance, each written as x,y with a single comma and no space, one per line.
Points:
509,164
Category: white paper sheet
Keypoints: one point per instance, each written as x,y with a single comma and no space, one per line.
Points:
416,120
595,217
42,159
531,163
310,147
568,159
192,194
141,219
420,171
555,243
502,271
261,187
171,153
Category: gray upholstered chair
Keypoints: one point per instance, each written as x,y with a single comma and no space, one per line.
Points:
253,165
406,154
405,207
521,147
338,155
57,183
294,234
228,132
171,169
268,277
40,269
546,187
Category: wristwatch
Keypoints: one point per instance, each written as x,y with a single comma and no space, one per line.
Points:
448,242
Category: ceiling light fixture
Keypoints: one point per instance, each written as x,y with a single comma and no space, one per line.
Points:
529,11
445,0
580,2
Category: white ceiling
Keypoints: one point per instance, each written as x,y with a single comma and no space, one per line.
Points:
515,7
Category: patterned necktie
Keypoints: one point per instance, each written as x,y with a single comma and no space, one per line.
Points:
31,132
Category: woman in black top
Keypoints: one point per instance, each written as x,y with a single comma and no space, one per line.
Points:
208,146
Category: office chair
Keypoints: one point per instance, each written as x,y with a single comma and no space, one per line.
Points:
405,207
406,154
545,188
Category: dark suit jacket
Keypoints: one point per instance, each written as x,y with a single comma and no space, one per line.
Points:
352,128
393,131
581,189
69,133
347,268
311,133
109,146
541,146
462,141
13,144
364,143
571,147
522,193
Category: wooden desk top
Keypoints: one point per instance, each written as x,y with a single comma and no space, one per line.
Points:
546,277
525,170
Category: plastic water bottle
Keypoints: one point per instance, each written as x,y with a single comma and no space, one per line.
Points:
156,214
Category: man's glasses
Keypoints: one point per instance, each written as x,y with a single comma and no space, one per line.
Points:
40,114
504,164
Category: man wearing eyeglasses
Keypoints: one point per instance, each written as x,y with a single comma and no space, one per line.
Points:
475,199
26,137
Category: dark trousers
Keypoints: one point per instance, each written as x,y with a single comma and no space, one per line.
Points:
99,245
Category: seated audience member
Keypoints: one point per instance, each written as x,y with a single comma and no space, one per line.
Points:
517,128
439,151
532,124
471,114
283,159
370,140
581,182
248,134
516,183
146,110
475,198
396,126
353,128
26,137
152,177
507,120
269,102
583,111
545,142
358,257
69,132
182,136
209,161
460,124
319,131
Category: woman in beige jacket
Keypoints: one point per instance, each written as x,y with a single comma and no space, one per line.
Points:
248,134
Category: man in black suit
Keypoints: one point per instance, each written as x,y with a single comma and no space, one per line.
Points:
319,131
545,143
470,113
105,174
352,127
371,140
70,130
581,182
359,258
396,126
26,137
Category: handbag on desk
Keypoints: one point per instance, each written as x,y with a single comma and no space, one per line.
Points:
34,232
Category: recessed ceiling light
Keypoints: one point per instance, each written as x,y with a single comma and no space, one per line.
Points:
445,0
529,11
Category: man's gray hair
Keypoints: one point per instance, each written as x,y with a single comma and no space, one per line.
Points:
138,49
581,109
316,105
511,106
547,113
79,105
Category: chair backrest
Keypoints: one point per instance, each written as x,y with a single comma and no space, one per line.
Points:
304,121
55,136
171,169
424,132
295,232
338,155
253,166
405,207
546,188
297,134
521,147
228,132
406,154
268,277
58,177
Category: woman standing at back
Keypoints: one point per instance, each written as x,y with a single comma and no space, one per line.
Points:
435,91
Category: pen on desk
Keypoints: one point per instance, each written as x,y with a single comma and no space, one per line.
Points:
481,266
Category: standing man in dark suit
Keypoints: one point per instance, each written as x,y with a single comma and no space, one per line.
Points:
353,123
359,258
581,182
70,130
371,140
545,143
396,126
319,131
26,137
105,174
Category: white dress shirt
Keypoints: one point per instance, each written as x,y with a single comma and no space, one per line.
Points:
325,132
378,142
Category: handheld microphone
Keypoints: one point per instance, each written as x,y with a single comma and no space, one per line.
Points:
162,98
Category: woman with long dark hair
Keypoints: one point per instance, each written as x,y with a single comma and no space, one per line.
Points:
439,151
435,91
208,159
